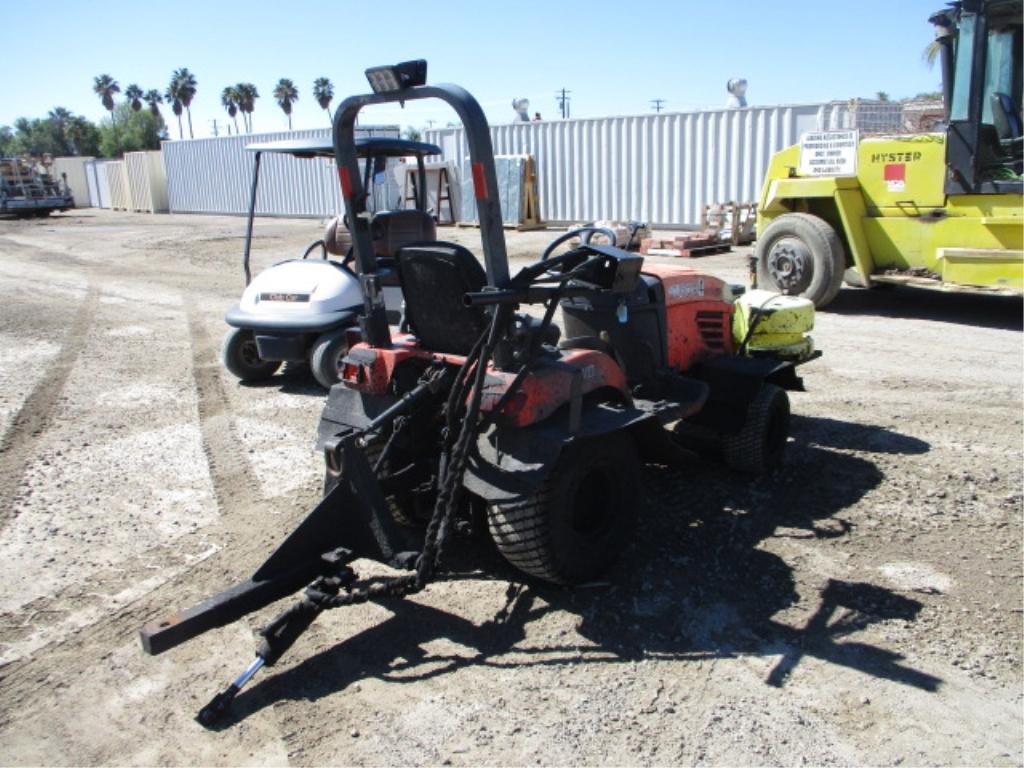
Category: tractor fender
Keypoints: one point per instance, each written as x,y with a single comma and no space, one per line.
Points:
510,463
733,383
349,410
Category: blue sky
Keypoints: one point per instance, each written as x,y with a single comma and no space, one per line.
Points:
613,56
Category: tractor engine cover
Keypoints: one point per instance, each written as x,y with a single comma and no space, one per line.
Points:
698,314
674,318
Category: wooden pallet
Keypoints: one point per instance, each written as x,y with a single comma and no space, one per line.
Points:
685,246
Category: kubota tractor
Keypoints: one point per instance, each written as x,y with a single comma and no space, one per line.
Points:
484,418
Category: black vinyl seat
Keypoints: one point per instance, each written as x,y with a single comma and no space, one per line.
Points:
434,278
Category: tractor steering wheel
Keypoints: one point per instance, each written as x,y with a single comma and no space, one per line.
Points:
584,233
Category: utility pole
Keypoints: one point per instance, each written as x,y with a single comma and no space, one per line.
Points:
213,123
656,104
430,124
562,97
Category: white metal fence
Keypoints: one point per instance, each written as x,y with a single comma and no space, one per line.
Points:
661,168
214,176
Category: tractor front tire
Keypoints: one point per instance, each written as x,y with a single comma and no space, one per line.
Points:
760,445
801,255
241,356
579,521
325,362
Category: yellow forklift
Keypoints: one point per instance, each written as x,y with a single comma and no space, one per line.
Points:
936,210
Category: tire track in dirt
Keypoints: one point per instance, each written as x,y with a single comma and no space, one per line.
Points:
235,484
19,443
248,528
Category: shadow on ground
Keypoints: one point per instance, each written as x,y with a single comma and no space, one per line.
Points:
694,585
1000,312
292,379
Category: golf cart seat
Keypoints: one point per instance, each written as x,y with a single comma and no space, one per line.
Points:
434,278
392,230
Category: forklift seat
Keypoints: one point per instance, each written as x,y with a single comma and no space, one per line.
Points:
1006,118
434,278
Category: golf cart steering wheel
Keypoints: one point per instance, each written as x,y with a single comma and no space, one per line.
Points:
584,233
313,246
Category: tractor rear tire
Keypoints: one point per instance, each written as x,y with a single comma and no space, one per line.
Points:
579,521
325,362
241,356
801,255
760,445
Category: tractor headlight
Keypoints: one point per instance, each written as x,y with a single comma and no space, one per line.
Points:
396,77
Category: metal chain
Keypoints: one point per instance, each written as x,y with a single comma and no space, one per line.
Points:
454,465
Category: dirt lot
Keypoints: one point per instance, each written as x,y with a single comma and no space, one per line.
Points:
863,606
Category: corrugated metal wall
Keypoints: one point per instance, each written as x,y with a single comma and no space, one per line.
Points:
117,182
99,190
147,182
660,168
73,169
213,176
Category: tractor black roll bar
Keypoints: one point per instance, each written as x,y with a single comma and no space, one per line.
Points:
485,183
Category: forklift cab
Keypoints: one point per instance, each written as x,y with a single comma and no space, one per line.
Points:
980,51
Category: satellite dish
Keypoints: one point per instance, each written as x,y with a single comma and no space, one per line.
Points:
522,109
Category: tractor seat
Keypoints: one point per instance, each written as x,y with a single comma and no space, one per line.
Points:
434,278
391,230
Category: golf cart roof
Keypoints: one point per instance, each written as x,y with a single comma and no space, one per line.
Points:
366,147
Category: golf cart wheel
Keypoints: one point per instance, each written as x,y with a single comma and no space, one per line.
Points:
241,356
801,255
581,518
760,445
328,352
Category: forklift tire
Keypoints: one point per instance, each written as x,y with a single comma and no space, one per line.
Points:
760,445
240,356
325,362
581,518
801,255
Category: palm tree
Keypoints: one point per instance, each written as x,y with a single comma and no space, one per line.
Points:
105,87
286,94
230,99
60,118
247,95
134,96
153,98
323,92
183,83
171,95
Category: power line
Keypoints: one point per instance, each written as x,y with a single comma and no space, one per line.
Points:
656,104
562,97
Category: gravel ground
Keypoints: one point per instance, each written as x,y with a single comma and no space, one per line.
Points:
862,606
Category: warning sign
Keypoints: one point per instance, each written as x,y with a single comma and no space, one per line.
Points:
829,153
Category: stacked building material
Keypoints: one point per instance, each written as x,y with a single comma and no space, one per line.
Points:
688,245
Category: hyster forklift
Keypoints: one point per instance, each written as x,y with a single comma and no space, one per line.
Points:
937,210
482,420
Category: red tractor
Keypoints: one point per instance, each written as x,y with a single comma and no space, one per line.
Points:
482,416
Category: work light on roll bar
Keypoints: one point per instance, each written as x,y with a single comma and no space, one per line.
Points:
397,77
